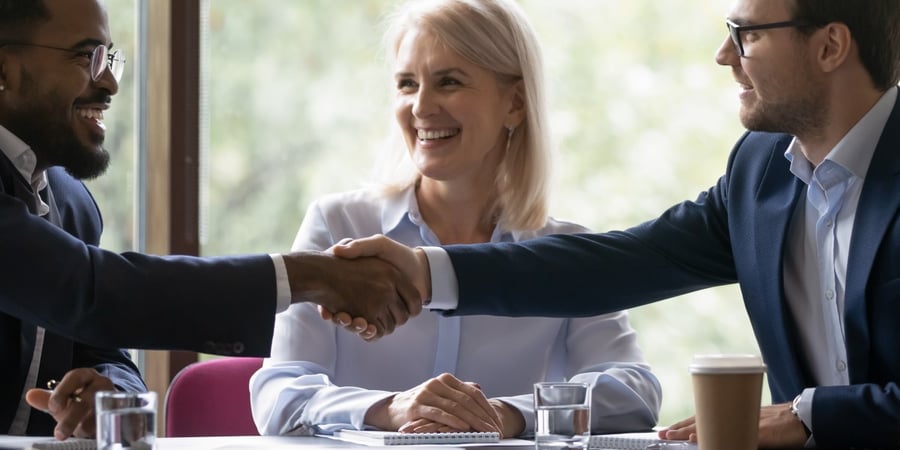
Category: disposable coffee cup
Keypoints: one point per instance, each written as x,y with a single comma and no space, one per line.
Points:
727,396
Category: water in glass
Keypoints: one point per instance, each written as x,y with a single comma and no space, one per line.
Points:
563,426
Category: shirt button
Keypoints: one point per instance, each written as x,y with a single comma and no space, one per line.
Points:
829,294
841,366
828,223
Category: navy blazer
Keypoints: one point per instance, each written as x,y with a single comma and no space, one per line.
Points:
77,215
68,285
734,232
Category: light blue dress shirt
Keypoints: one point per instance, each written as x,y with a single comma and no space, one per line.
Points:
321,378
820,232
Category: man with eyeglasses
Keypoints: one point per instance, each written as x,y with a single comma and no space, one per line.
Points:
806,219
64,302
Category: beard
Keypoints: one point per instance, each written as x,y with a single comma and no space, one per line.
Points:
799,109
797,116
46,129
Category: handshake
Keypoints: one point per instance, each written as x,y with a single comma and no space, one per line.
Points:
370,285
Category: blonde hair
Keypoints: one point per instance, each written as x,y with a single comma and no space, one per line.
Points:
497,36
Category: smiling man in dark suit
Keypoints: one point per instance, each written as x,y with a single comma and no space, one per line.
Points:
806,219
64,302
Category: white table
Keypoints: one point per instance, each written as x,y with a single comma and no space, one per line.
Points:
264,442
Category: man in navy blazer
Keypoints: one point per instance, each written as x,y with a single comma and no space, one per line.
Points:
65,303
805,219
32,356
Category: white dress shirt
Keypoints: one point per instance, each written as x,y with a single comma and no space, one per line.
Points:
321,378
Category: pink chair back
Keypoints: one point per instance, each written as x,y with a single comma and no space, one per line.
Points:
212,398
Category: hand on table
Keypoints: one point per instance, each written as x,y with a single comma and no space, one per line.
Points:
512,423
778,428
71,402
444,401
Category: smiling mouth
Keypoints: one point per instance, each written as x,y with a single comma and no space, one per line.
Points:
94,114
431,135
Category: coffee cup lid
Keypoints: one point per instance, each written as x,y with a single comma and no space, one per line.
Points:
727,363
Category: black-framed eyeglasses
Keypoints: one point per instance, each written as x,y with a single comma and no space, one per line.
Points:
735,30
101,58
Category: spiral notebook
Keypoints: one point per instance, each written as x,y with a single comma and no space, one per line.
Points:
635,441
68,444
372,437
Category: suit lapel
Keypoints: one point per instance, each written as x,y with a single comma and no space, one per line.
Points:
17,186
53,214
878,205
776,201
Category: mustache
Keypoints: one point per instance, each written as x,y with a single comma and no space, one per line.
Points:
102,97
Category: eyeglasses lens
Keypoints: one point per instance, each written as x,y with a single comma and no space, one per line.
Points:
102,59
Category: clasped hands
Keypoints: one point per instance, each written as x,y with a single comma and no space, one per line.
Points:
370,285
445,404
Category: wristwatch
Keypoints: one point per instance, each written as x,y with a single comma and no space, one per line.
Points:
795,410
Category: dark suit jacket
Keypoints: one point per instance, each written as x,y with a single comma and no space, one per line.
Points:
734,232
79,217
62,281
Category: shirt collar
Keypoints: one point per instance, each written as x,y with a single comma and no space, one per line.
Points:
403,207
855,150
397,207
25,161
21,155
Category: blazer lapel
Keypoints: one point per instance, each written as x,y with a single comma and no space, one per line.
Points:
17,186
776,201
878,205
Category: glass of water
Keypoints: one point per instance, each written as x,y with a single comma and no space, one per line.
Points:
562,415
125,420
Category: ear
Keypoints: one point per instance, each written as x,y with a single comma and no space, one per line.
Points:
9,68
3,66
835,48
516,113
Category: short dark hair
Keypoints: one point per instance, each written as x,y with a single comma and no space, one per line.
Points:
19,17
874,25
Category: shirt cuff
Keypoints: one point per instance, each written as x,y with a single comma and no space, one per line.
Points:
804,412
282,285
444,288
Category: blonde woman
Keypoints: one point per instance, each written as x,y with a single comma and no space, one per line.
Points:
469,105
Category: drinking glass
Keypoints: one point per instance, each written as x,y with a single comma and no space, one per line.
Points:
125,420
562,415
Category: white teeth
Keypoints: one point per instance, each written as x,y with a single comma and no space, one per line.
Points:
95,114
436,134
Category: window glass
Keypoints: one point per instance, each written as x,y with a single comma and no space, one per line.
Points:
115,190
298,103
